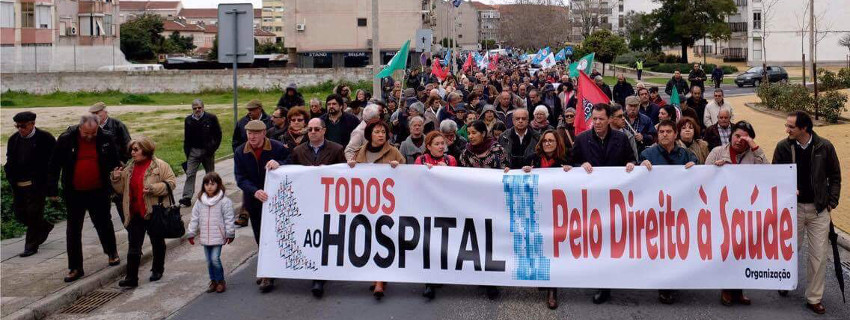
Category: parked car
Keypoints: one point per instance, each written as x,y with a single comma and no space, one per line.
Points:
754,76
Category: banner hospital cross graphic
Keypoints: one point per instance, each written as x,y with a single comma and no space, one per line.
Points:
521,201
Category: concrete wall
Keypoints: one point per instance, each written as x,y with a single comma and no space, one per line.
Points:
174,80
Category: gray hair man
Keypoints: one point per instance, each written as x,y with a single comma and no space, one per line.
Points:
201,139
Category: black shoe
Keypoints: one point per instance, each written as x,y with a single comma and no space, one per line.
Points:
186,202
429,292
28,252
318,288
492,292
783,293
128,283
73,275
114,260
155,276
601,296
666,296
266,285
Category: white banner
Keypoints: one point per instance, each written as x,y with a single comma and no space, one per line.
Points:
699,228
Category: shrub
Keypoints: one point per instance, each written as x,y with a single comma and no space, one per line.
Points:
828,80
136,99
831,105
844,77
627,59
729,69
785,97
7,103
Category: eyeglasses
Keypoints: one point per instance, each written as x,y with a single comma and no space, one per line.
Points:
521,119
135,149
314,129
570,116
21,125
197,108
548,141
296,120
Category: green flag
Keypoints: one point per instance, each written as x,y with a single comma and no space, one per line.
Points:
585,64
398,62
674,98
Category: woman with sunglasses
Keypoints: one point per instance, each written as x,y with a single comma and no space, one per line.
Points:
143,182
566,128
295,134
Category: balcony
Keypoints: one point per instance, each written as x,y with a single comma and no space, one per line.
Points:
734,54
88,7
36,36
7,36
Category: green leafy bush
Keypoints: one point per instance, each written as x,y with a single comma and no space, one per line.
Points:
831,105
844,77
785,97
135,99
827,80
7,103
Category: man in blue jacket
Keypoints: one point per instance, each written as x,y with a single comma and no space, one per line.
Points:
251,160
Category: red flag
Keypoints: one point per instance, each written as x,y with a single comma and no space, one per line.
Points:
588,95
438,71
468,63
494,61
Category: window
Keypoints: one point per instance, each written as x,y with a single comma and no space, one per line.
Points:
278,29
7,15
757,20
361,22
27,15
44,17
107,25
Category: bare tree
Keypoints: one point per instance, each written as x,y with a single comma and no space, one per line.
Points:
587,14
534,23
845,41
767,12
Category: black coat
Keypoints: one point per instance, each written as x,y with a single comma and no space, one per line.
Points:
615,151
825,171
681,86
64,158
203,133
121,135
288,102
39,158
251,174
340,132
621,91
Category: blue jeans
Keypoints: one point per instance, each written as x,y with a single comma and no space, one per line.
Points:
213,254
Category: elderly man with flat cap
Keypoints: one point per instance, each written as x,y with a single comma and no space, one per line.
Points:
255,112
27,155
115,127
252,158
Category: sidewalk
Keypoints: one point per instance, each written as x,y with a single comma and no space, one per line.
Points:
33,287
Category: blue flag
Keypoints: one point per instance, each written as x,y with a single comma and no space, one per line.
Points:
457,3
447,58
561,56
568,50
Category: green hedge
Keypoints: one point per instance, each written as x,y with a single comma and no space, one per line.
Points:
791,97
54,211
828,80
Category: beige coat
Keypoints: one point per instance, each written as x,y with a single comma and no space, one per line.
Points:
158,174
388,153
750,157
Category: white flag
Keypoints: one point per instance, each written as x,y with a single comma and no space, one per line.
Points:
548,62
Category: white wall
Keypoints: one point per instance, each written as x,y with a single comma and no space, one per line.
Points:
782,43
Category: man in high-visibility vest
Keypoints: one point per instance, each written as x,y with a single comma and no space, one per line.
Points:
639,67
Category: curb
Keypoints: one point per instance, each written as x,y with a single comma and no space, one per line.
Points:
64,297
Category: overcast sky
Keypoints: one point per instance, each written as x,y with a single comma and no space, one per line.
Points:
259,3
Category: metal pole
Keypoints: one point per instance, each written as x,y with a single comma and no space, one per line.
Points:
75,53
376,51
235,67
812,52
35,51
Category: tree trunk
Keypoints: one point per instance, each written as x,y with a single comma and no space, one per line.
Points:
684,58
603,69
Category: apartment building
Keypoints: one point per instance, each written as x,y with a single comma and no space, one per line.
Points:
777,32
272,18
488,21
460,23
59,35
209,16
338,33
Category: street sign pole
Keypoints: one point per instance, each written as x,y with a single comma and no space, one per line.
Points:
235,12
235,41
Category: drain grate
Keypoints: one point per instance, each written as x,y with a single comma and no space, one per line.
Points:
91,301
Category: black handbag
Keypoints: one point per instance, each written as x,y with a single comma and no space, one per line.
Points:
165,221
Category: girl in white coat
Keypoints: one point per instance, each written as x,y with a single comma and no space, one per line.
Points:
213,224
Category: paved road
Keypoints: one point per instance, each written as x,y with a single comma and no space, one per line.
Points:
351,300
